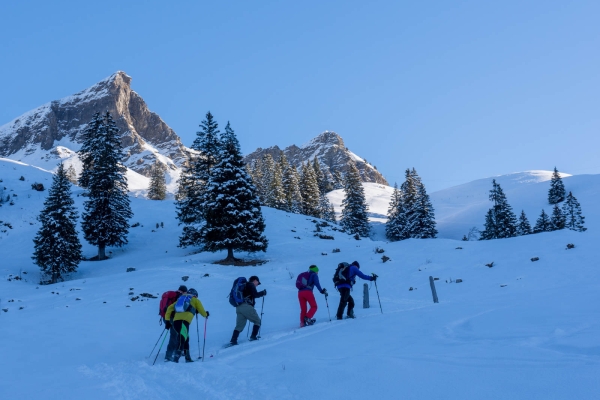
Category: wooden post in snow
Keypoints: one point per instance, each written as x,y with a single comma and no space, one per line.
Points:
366,296
433,292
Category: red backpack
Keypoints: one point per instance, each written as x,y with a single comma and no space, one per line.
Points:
302,280
166,300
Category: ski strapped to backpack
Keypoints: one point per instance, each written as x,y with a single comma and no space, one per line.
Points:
236,294
302,281
166,300
341,274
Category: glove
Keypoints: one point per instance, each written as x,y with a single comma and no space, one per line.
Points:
167,325
264,292
207,314
374,277
325,292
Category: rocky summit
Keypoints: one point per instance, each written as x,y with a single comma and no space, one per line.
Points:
333,155
52,132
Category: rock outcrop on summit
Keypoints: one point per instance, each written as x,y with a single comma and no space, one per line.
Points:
333,155
54,131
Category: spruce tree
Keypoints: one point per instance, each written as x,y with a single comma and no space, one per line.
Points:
57,246
256,173
324,185
557,220
424,212
158,186
571,210
326,209
556,193
310,192
291,186
107,208
234,219
410,199
543,223
72,174
501,222
395,225
355,218
194,179
523,227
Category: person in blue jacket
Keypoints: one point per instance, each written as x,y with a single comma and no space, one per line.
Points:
344,287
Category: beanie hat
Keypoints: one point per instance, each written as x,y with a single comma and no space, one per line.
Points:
182,288
254,278
356,264
313,268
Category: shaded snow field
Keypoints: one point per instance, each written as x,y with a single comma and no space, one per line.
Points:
518,330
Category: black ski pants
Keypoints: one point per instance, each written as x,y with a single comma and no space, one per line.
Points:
183,330
345,298
173,342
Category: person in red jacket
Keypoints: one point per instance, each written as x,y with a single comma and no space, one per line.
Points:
306,296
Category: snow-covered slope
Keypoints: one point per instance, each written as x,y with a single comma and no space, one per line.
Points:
518,330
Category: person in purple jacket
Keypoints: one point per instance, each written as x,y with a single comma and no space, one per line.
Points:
345,286
305,284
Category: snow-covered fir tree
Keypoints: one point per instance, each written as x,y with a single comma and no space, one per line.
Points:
396,222
556,193
272,185
324,185
107,208
410,194
72,174
157,189
571,210
326,209
543,223
424,227
503,220
355,218
291,186
255,171
557,219
310,192
193,181
523,227
234,220
57,247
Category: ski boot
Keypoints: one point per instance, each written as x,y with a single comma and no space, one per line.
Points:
254,336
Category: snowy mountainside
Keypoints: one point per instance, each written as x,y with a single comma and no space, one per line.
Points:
518,330
53,132
459,208
333,155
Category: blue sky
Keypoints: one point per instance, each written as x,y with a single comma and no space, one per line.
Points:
459,90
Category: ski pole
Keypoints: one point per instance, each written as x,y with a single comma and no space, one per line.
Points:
377,290
161,345
261,314
204,344
328,313
198,334
162,333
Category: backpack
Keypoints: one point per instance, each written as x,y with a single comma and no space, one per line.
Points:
341,274
183,303
236,295
166,300
302,281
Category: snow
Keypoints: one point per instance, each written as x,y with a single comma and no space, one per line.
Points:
536,337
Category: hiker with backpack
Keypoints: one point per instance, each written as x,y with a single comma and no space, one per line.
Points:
305,282
242,296
168,298
343,279
185,308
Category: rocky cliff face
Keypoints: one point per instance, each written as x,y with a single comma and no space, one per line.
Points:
333,155
54,130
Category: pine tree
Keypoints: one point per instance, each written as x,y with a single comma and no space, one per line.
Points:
396,222
310,192
234,219
523,228
556,194
193,181
272,183
324,185
557,220
501,222
571,210
355,219
425,215
72,174
543,223
107,208
57,246
256,173
326,209
291,186
158,186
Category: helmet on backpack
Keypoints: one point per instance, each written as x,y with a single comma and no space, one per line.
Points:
193,292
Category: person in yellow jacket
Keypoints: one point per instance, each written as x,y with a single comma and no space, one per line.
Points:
184,309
